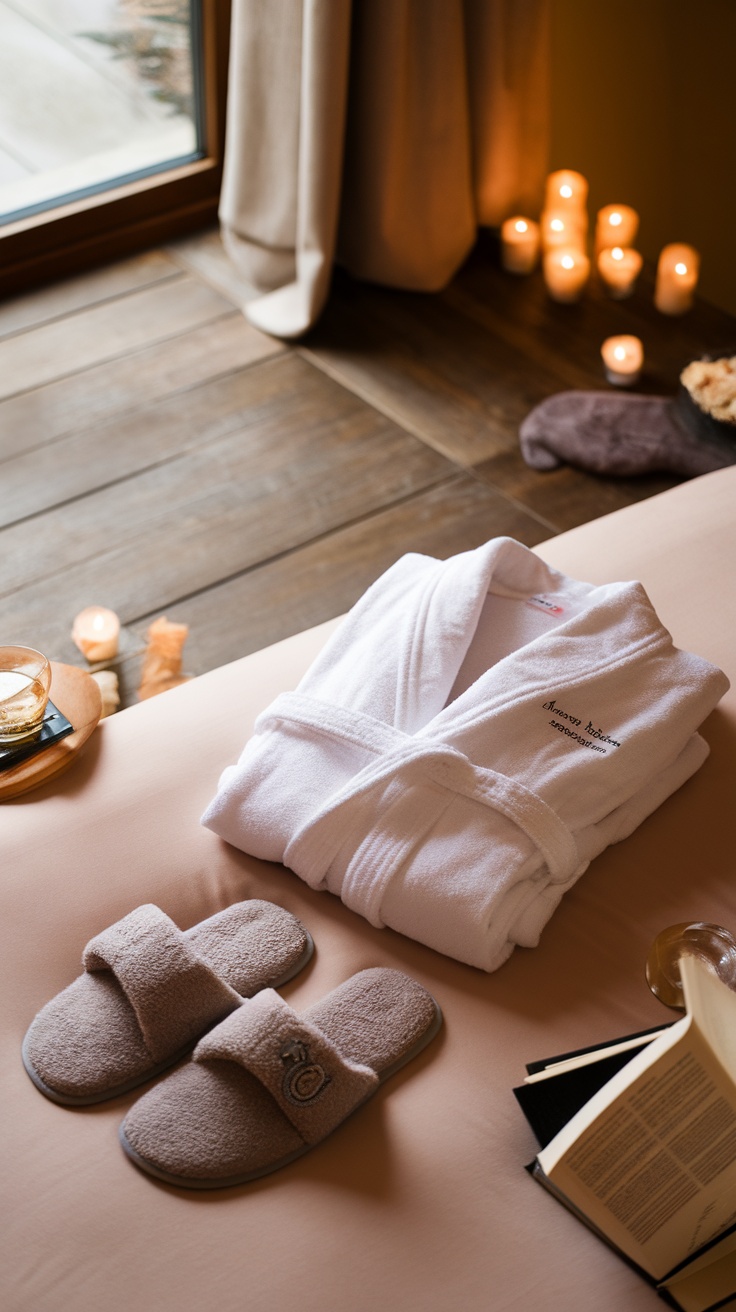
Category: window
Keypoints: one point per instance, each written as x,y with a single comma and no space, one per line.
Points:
143,90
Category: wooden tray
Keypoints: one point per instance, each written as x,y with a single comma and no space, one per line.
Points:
75,693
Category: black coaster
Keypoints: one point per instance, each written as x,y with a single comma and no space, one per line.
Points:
55,726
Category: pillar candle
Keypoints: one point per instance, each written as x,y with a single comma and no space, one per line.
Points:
566,190
560,228
96,631
619,268
677,278
519,244
616,225
566,271
623,358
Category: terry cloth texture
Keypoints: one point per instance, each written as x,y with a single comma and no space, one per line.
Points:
149,991
618,435
267,1084
473,734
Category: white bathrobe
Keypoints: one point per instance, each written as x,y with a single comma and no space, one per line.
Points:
472,735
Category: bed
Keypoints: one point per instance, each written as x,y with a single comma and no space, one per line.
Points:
420,1200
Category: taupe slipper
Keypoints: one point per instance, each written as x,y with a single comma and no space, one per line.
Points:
150,991
267,1084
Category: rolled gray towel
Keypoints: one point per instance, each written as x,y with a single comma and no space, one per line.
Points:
619,435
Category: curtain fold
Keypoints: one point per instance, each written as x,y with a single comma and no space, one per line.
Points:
378,133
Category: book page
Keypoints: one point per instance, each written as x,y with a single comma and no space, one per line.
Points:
590,1058
651,1159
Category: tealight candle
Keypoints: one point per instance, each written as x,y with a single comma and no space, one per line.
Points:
25,679
623,358
566,190
619,268
616,225
560,228
677,278
566,272
519,244
96,632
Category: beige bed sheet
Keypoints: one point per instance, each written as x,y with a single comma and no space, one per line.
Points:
420,1201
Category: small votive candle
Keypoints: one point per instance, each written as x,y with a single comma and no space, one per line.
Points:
677,278
616,225
619,268
519,244
560,228
25,680
566,272
96,631
623,358
566,190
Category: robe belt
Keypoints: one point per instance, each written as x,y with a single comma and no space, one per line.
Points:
400,762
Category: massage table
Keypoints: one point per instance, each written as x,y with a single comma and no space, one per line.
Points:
420,1200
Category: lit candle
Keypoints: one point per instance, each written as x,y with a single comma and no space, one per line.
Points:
519,244
619,268
623,358
566,190
25,679
96,631
566,272
677,278
616,225
564,229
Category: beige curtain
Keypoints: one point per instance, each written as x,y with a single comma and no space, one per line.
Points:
378,134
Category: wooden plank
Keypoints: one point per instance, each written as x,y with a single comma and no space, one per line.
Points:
566,497
44,414
462,368
105,331
307,458
101,455
86,289
324,578
566,339
455,384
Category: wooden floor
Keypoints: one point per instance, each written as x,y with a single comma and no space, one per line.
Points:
161,457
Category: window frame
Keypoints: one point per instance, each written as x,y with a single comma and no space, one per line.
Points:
138,214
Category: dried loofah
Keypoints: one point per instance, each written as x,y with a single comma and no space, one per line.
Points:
712,386
163,658
107,680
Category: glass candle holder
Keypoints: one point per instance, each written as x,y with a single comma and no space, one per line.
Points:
623,358
519,244
712,943
566,272
25,680
616,225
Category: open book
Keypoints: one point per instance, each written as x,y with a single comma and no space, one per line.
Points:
639,1140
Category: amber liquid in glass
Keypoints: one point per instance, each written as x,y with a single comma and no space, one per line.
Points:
22,705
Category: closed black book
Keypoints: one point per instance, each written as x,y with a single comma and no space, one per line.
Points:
55,726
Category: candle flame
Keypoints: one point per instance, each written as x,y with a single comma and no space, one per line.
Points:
98,622
615,219
567,262
617,253
566,190
681,268
521,225
557,225
619,352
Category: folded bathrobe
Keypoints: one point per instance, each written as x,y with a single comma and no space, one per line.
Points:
472,735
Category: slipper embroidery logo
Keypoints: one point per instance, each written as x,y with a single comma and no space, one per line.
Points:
304,1080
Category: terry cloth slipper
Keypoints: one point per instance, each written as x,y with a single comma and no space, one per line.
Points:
150,991
267,1084
619,436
